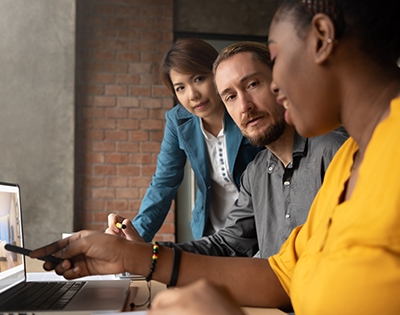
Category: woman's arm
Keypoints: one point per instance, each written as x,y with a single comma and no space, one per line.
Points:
163,187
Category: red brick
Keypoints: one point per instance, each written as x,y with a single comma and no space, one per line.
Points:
128,57
128,34
104,78
116,158
128,193
117,206
117,182
151,57
104,33
94,43
138,113
138,68
128,10
101,217
119,90
150,102
157,114
104,123
103,193
103,9
116,113
92,89
94,205
138,135
139,158
152,12
150,147
127,147
164,25
105,55
141,23
128,102
148,170
95,135
156,136
117,45
116,135
94,21
149,79
116,22
116,90
128,79
104,170
138,90
117,67
127,170
158,90
102,146
168,102
128,124
134,205
151,124
106,101
94,181
95,66
167,228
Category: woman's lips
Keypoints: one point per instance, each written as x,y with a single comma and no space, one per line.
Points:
201,105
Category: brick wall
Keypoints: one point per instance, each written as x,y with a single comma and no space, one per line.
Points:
120,106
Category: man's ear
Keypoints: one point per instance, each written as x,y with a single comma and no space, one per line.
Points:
323,31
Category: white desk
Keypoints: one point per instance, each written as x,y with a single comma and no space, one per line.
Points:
142,293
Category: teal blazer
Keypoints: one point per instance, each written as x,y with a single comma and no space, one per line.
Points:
183,139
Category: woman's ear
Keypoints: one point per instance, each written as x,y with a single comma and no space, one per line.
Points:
323,31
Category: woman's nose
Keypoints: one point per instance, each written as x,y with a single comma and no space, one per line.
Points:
274,88
194,94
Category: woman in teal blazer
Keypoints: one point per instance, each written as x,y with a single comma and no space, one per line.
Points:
187,72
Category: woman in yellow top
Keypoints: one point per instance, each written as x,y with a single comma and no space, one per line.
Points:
335,63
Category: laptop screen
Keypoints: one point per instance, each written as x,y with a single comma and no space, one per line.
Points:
12,265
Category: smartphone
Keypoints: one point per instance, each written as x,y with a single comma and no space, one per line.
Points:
24,251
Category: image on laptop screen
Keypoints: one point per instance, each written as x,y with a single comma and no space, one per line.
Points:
11,264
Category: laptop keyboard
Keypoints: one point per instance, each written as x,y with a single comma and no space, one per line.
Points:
44,296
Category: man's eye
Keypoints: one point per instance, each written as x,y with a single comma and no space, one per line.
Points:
229,97
253,84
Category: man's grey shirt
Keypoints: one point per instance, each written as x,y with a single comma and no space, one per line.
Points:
272,201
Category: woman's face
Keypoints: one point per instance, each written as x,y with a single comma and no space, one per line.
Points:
197,94
301,85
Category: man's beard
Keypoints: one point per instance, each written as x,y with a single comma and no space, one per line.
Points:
270,135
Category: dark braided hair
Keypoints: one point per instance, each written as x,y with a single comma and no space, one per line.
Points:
375,24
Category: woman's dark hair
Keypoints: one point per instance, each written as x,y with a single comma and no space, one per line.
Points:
187,56
374,23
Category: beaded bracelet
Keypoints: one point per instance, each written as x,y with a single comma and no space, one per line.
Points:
154,259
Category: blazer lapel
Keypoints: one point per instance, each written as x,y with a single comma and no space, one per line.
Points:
233,140
194,144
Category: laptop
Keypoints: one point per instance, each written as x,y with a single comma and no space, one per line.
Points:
83,297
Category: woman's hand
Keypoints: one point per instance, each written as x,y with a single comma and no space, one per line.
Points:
128,232
86,253
199,298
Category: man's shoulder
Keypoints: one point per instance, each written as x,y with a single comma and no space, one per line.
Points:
261,158
332,140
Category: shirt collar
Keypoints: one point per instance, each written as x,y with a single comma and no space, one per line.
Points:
299,145
207,135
